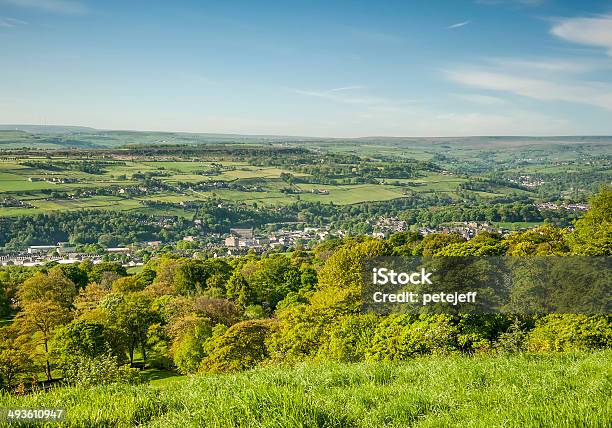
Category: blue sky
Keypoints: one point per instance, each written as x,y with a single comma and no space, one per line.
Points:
317,68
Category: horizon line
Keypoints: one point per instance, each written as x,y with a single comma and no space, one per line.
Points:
3,125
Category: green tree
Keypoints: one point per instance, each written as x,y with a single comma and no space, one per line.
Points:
52,286
5,301
81,338
350,338
15,357
97,271
303,328
593,233
272,278
241,347
130,316
188,348
190,277
545,240
239,290
76,274
308,277
127,284
39,319
45,300
433,243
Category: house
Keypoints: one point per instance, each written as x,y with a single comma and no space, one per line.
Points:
320,191
232,242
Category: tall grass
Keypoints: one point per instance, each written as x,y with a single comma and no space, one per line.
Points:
563,390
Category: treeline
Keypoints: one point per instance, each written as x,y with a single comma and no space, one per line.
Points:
88,166
219,152
214,215
512,212
341,168
491,185
359,172
220,315
84,227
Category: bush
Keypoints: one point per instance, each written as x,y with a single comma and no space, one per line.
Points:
350,338
570,332
400,336
513,340
101,370
478,332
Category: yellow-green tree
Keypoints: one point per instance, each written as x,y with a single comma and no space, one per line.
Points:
45,300
593,233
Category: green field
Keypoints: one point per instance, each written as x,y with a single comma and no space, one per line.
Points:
571,168
14,181
562,390
351,194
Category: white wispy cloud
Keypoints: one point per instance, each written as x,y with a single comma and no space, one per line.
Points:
548,65
346,88
458,25
55,6
549,79
591,93
11,22
594,31
337,95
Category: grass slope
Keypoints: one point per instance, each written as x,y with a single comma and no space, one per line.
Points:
563,390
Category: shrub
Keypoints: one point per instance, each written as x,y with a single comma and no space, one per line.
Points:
477,332
401,336
513,340
101,370
571,332
350,338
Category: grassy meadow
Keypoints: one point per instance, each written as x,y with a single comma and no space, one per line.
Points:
521,390
14,182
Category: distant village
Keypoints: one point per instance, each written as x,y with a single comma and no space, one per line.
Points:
556,207
386,226
238,241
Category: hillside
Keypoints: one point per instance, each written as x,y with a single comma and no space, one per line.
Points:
563,390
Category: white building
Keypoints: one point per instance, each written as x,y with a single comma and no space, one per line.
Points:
40,249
